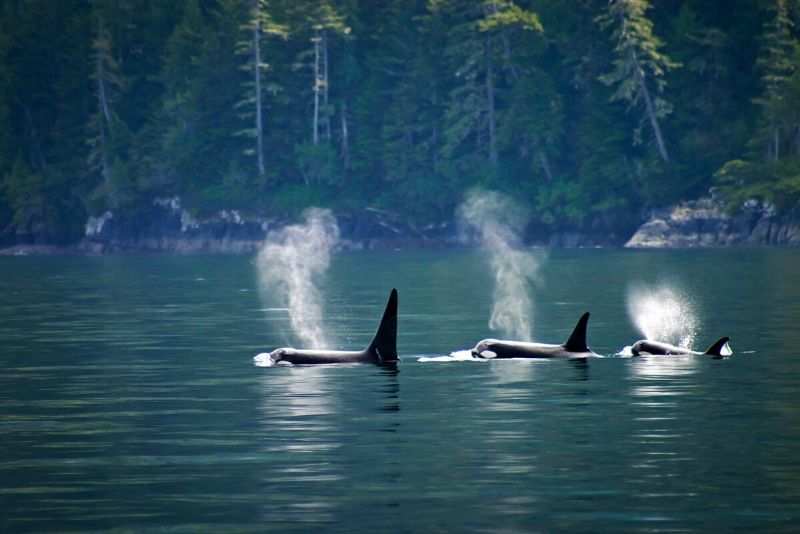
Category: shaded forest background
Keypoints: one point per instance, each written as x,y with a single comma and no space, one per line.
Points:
581,109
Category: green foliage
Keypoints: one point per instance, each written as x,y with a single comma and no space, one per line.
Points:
26,194
5,94
776,65
771,170
41,203
574,107
317,163
775,183
560,200
639,66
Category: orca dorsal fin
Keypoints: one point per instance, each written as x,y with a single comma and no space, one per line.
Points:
577,341
716,349
384,344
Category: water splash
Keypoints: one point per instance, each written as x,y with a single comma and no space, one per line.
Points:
498,222
289,262
662,313
455,356
263,360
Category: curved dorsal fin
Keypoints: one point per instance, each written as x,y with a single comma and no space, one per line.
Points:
384,344
716,349
577,341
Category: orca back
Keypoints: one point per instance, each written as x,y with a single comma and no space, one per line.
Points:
384,344
577,341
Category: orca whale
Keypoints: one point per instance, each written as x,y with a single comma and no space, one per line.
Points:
382,350
646,347
574,347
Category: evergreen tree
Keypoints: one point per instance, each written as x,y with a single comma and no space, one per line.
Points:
259,24
399,104
105,154
639,67
775,63
38,183
706,85
320,22
530,120
408,96
470,104
5,94
203,85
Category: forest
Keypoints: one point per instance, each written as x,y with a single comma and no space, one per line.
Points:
579,109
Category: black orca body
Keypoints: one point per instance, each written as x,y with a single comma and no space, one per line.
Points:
646,347
574,347
382,350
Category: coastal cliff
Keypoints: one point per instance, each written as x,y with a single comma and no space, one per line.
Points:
166,227
704,223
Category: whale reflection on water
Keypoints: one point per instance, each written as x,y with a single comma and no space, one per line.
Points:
662,375
316,427
663,442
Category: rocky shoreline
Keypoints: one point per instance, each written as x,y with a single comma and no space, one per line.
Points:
704,223
165,227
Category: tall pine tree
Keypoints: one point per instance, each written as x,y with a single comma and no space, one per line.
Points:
639,66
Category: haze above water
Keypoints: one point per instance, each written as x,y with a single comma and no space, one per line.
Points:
129,399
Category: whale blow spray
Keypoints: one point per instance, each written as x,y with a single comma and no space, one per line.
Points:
662,314
290,260
498,222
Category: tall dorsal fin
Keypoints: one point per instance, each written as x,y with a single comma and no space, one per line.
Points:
384,344
577,341
716,349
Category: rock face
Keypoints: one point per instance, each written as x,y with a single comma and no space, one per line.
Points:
702,223
167,227
164,226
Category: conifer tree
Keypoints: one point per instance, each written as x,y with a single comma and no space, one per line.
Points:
408,95
320,23
259,24
5,94
775,63
639,66
706,84
103,123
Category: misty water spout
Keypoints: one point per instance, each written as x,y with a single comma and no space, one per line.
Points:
498,222
289,263
662,313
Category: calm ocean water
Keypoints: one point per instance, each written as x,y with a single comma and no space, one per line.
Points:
129,400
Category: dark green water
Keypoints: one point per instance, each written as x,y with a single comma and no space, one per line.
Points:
129,399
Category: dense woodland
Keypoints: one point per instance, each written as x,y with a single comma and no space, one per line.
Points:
582,109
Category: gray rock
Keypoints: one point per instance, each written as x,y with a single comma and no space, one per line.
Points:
165,226
703,223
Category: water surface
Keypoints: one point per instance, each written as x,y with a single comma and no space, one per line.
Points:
129,399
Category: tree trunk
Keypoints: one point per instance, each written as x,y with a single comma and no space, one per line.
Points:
545,166
797,141
490,106
101,90
345,139
325,110
38,158
435,138
506,45
776,142
104,170
102,103
648,101
316,86
257,74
